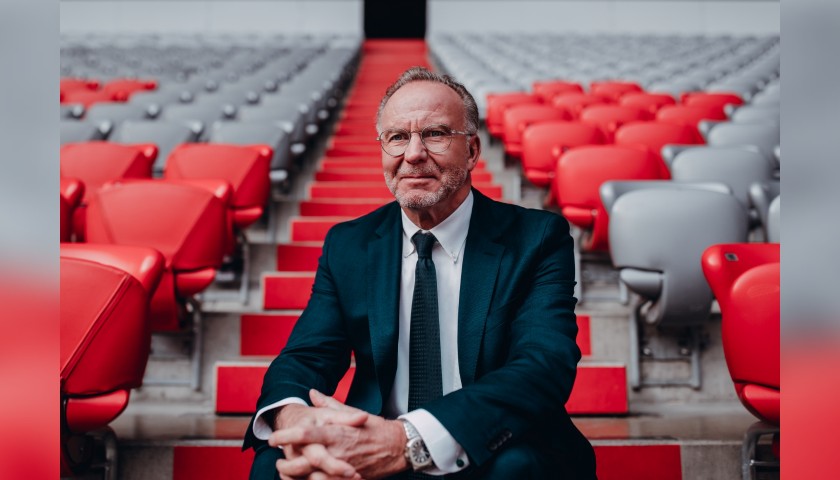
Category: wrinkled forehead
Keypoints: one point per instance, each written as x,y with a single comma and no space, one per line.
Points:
423,101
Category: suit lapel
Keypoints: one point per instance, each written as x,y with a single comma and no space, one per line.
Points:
383,294
482,257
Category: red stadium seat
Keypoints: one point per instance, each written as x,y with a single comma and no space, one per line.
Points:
90,97
105,340
72,191
98,163
497,103
610,117
68,84
549,89
689,115
613,90
655,135
574,103
543,144
651,102
517,118
127,86
716,99
579,175
745,278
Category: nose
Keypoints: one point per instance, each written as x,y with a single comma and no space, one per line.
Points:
415,151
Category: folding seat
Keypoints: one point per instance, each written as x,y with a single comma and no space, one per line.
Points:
274,135
72,191
68,85
716,99
614,90
761,194
610,117
497,103
756,113
90,97
127,86
657,236
575,103
166,135
105,341
774,225
548,89
116,113
745,278
72,131
763,136
246,168
542,145
689,115
233,96
677,88
289,114
189,225
162,97
71,111
518,118
738,168
651,102
654,136
203,111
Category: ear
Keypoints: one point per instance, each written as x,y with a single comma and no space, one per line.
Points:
473,151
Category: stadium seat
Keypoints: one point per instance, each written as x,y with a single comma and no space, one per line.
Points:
116,113
204,111
258,133
655,135
761,194
98,163
162,97
67,84
717,99
613,90
689,115
651,102
498,103
73,131
246,169
71,111
127,86
610,117
548,89
542,145
91,97
105,341
656,239
517,118
774,225
574,103
745,279
166,135
187,224
736,167
72,191
756,113
763,136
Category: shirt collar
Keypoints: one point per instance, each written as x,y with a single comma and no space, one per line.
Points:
450,233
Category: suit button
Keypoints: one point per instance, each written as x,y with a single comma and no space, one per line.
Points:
459,463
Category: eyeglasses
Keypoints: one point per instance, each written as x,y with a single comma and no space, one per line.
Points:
435,139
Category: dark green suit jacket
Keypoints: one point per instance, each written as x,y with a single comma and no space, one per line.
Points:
516,331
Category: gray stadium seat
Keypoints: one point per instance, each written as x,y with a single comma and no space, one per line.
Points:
611,191
761,194
756,113
657,237
258,132
116,113
765,136
165,134
774,221
71,111
204,111
73,131
162,97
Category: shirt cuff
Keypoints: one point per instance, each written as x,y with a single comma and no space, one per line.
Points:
262,430
447,455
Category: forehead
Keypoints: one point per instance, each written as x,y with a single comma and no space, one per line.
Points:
422,103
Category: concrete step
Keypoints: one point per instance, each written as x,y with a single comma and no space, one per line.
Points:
600,389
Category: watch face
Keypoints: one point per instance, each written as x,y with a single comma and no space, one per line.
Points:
419,456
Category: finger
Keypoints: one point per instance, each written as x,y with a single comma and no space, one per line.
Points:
321,460
295,436
295,468
321,400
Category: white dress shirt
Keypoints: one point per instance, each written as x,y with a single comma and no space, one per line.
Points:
447,254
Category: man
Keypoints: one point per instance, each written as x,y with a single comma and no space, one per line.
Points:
459,313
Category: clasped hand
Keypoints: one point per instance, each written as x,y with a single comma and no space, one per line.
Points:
331,440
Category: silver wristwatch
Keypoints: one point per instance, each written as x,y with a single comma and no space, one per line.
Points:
416,453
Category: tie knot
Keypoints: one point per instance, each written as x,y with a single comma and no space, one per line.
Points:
424,243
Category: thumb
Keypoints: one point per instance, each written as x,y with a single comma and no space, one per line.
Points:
337,412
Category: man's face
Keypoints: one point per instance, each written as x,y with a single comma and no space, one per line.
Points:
418,178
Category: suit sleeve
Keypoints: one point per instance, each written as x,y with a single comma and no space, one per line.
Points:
318,351
535,379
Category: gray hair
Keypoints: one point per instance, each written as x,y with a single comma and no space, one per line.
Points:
422,74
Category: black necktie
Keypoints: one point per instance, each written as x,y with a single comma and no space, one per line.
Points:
424,377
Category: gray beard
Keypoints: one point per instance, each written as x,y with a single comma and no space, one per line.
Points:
453,179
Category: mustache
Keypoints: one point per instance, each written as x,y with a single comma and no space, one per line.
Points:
425,169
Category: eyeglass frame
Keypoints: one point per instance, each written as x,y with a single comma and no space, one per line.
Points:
420,133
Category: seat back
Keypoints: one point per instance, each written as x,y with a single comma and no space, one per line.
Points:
256,133
610,117
757,113
715,99
574,103
166,135
764,136
73,131
97,163
245,167
655,135
737,167
548,89
517,118
689,115
498,102
543,143
651,102
116,113
613,190
657,237
614,89
580,173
